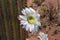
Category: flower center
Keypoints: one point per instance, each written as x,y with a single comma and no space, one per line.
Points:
31,20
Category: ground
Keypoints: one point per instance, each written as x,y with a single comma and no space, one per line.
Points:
50,29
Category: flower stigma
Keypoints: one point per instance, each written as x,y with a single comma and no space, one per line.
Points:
31,20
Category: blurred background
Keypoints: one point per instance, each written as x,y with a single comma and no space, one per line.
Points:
10,28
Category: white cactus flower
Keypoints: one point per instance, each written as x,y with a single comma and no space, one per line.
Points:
43,36
30,19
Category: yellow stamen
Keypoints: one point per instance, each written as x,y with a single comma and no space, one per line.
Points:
31,20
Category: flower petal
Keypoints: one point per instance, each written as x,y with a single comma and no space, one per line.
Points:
32,10
32,28
23,12
43,36
38,23
27,11
21,17
36,28
23,22
37,15
27,27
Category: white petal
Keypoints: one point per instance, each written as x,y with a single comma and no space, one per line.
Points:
23,12
36,28
38,23
23,22
32,10
24,26
27,11
27,27
32,28
21,17
43,36
27,39
37,16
